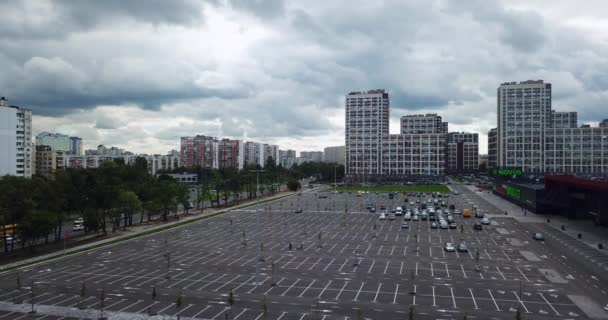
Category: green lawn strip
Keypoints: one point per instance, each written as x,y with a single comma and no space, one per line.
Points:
59,255
401,188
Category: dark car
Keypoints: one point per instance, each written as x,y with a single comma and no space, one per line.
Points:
477,226
299,210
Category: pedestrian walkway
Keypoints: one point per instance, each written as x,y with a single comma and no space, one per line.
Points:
591,234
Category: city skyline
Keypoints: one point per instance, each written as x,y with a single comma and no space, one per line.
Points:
277,71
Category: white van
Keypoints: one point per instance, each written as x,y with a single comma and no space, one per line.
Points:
399,211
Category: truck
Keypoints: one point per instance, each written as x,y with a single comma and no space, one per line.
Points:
466,213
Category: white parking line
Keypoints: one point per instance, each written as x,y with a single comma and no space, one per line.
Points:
401,269
359,292
495,304
244,283
473,297
293,284
433,288
503,276
225,284
463,273
196,315
432,272
370,267
222,311
302,294
129,306
453,299
522,274
329,264
301,263
201,279
320,294
549,303
447,270
521,302
238,315
339,293
386,268
208,284
378,291
396,291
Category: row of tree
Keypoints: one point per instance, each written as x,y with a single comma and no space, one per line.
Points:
116,196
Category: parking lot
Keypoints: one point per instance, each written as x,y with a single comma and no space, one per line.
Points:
335,260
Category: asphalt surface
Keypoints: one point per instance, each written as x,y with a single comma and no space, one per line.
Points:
344,263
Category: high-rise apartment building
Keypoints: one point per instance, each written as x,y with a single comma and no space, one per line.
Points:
48,161
165,162
16,154
367,123
423,123
272,150
230,154
334,154
56,141
413,154
287,158
463,152
76,146
564,119
199,151
604,123
255,154
492,148
524,112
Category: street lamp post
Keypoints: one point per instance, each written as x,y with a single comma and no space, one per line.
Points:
257,224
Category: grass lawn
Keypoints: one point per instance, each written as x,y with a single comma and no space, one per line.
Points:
413,188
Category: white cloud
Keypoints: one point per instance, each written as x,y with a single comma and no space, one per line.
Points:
277,71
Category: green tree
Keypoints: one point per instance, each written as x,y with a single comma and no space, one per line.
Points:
293,184
128,203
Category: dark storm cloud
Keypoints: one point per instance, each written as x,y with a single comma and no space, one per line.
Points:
32,19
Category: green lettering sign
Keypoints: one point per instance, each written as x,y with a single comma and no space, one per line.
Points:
513,192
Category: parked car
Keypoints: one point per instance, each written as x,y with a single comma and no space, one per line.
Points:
477,226
462,247
444,225
434,225
382,216
453,225
78,227
405,225
449,247
485,221
538,236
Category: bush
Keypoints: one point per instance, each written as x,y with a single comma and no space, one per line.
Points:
294,185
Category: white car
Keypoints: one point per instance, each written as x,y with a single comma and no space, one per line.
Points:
79,221
78,227
415,218
449,247
444,225
407,217
485,221
382,216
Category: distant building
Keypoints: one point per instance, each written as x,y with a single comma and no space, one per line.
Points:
311,156
255,154
524,112
56,141
272,150
168,162
287,158
48,161
76,146
187,178
230,154
199,151
493,148
463,152
105,151
90,161
604,123
413,155
16,150
423,123
334,154
483,160
367,123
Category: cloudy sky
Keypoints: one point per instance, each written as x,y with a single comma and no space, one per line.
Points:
139,74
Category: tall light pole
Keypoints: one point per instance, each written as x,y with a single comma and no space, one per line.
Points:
257,224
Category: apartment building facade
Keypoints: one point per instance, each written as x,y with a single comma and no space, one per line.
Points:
423,123
16,151
462,152
334,154
493,148
366,125
48,161
524,113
